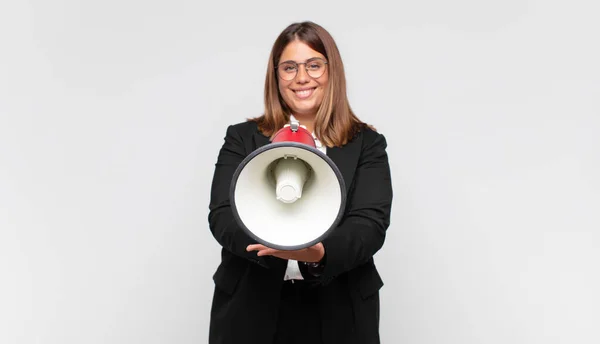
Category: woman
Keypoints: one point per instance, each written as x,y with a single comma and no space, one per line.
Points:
328,293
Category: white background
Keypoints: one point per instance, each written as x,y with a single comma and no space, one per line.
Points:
112,114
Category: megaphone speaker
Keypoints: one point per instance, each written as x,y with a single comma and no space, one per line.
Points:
288,195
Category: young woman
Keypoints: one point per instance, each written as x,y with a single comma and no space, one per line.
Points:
327,293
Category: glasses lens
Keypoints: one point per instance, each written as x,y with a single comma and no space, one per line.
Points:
315,68
287,71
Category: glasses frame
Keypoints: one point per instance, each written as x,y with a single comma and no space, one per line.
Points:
305,63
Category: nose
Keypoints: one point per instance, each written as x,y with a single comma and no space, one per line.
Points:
302,76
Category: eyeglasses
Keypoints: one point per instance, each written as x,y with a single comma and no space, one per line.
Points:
315,67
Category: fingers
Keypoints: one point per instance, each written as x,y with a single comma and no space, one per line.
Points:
256,247
314,253
263,250
269,252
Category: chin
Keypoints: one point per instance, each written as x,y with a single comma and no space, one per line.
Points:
304,110
304,107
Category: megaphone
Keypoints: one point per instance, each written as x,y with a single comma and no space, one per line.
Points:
288,195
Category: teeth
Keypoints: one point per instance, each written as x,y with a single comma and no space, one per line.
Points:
304,93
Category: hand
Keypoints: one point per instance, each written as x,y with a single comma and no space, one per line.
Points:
311,254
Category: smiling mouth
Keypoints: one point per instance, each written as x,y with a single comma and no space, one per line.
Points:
305,93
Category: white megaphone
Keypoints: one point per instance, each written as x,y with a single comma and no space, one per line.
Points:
288,195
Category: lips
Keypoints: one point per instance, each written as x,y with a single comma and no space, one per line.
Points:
304,93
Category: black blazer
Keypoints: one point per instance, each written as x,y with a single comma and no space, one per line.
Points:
246,297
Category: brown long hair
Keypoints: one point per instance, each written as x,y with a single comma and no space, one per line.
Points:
335,122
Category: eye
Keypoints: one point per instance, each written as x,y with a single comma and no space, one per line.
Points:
287,68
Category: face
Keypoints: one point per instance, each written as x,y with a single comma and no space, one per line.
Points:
303,94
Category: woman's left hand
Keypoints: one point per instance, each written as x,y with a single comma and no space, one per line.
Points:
311,254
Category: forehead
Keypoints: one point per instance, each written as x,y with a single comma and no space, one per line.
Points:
298,51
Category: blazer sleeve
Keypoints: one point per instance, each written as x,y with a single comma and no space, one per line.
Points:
223,226
362,231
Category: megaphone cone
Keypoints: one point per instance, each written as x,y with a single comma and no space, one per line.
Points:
288,195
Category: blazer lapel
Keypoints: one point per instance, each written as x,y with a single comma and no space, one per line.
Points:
260,140
346,159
